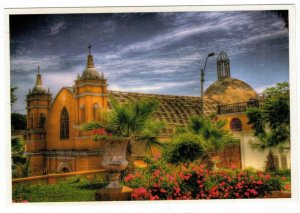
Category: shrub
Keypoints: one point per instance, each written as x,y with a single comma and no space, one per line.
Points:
199,183
186,149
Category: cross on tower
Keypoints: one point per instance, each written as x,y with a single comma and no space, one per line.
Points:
90,47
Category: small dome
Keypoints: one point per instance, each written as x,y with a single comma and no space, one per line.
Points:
230,90
39,89
90,73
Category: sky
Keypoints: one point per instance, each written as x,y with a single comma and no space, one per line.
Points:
159,53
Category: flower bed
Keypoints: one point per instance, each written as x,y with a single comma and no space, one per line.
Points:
156,183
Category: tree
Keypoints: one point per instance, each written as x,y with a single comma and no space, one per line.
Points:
13,97
186,148
214,137
133,119
271,121
18,121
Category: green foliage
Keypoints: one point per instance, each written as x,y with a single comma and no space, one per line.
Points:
130,119
72,190
186,148
18,159
18,121
271,121
13,97
270,163
133,119
273,115
214,136
255,117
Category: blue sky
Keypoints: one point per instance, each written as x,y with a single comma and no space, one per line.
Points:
147,52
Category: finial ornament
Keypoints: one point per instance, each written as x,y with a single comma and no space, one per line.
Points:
38,69
90,47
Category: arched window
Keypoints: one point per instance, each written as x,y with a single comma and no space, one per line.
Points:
236,124
64,124
95,112
42,120
82,113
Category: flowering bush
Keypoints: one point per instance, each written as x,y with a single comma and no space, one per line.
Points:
199,183
102,134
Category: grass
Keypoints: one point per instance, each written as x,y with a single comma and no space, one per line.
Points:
72,190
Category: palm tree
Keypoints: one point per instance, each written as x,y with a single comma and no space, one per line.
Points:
268,142
213,133
132,119
215,137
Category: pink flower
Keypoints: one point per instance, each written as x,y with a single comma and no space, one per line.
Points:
128,178
259,182
163,191
253,191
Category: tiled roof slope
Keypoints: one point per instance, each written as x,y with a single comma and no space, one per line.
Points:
173,110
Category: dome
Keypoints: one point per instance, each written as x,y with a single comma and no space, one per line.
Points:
90,73
39,89
230,90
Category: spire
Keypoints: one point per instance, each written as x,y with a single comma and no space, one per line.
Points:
90,60
38,77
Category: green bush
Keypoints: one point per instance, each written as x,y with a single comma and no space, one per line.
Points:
71,190
186,149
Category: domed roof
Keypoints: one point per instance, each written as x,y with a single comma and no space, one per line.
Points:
230,90
39,89
90,73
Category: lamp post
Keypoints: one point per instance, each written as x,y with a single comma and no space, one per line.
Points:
202,82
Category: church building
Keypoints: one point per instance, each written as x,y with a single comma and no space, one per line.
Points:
55,142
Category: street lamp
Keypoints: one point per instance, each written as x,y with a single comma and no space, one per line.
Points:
202,82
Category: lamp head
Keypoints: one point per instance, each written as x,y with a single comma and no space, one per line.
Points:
211,54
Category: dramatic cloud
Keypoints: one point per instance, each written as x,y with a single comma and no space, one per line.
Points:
148,52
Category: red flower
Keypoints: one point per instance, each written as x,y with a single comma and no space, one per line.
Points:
287,186
163,191
128,178
100,132
259,182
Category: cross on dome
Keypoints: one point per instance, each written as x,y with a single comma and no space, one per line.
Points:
90,47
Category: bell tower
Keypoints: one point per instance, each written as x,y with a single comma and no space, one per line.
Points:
38,103
90,92
223,66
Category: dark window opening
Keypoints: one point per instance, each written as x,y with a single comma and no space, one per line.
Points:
236,124
64,124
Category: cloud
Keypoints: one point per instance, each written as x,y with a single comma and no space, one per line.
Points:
161,53
56,28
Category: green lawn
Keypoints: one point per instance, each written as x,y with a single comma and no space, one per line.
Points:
72,190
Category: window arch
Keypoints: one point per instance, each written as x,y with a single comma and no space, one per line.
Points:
95,111
82,113
64,124
42,120
236,124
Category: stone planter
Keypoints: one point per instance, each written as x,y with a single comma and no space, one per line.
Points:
114,159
